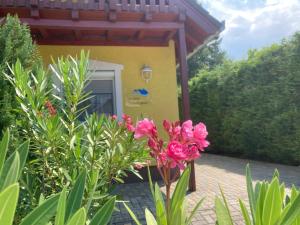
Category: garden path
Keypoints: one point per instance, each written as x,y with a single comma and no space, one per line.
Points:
211,171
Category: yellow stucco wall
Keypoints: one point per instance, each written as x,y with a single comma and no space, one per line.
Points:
163,88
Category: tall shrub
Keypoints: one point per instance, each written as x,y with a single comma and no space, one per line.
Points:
15,43
252,107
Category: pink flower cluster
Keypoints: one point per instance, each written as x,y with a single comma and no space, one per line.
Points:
127,122
185,142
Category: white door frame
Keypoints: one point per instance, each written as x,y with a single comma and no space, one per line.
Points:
95,65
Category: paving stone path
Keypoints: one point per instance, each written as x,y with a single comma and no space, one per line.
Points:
211,171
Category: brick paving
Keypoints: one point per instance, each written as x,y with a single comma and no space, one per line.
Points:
211,171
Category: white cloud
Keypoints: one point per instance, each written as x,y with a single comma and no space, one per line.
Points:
254,23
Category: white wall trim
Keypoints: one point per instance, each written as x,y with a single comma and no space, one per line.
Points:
95,65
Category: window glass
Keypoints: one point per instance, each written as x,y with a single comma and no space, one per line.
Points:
102,97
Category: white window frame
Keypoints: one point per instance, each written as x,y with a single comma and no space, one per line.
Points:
95,65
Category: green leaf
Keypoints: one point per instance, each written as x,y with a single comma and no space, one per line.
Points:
8,199
61,208
76,195
150,182
43,213
150,218
78,218
272,204
23,152
133,216
226,205
252,200
10,172
179,194
292,214
160,206
223,216
3,149
245,213
260,204
103,216
276,174
189,220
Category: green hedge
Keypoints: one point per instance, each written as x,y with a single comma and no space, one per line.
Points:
252,107
15,43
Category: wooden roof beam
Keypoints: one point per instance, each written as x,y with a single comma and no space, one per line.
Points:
170,35
100,25
78,34
44,33
98,41
140,35
108,35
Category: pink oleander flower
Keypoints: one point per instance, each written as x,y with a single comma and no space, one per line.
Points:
187,130
139,165
173,129
162,159
200,134
114,117
127,120
200,131
175,151
145,128
192,152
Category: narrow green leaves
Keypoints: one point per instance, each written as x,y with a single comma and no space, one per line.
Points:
61,208
103,216
179,194
293,213
223,217
189,220
8,199
272,204
133,216
3,149
10,171
23,152
160,207
150,218
78,218
43,213
251,196
245,213
76,196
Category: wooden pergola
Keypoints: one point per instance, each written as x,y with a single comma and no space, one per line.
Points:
121,23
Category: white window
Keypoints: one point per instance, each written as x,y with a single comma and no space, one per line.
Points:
106,88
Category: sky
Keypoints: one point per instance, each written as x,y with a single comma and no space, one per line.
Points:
254,23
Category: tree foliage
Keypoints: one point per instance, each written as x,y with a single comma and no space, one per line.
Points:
207,58
252,107
15,43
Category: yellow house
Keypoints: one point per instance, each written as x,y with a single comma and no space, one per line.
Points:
135,47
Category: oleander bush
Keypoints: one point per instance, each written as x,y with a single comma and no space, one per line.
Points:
65,140
252,107
66,207
186,142
268,201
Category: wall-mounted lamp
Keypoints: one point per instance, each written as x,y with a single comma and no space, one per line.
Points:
146,73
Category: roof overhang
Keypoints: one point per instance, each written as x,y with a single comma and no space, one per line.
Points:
114,22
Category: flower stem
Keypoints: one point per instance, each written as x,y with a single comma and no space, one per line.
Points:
168,192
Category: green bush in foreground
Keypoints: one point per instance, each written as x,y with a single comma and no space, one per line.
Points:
58,209
251,107
269,204
65,141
